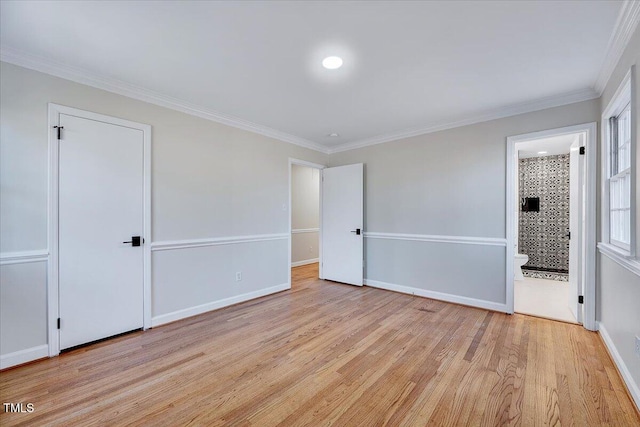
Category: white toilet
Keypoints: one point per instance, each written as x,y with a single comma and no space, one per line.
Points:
518,262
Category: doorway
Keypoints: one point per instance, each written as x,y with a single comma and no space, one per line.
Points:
547,235
99,222
339,216
550,224
305,219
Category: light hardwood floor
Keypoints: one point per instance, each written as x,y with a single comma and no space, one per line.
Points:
331,354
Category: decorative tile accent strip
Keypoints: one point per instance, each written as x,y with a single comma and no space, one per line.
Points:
543,235
560,277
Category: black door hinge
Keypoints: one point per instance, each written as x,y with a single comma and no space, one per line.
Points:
583,150
569,235
58,128
58,323
580,299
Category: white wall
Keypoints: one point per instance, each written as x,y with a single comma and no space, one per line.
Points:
209,181
618,305
23,306
305,214
427,193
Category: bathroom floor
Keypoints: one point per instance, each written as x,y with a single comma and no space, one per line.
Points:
543,298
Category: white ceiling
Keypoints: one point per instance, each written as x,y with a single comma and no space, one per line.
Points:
553,146
409,67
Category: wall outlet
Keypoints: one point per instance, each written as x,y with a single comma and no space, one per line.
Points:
310,249
238,276
637,346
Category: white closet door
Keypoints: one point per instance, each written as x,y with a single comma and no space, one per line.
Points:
100,207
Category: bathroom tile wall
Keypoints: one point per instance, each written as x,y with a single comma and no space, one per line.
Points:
543,235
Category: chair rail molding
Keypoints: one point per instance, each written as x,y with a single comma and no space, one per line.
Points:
466,240
304,230
215,241
24,257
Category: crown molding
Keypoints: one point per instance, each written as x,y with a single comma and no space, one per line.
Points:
626,24
119,87
498,113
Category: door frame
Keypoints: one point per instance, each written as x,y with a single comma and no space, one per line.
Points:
54,111
587,250
293,161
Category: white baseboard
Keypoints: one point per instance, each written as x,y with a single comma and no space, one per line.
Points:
489,305
214,305
633,388
304,262
24,356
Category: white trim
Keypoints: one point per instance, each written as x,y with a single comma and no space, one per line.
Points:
53,337
589,227
214,305
320,167
299,162
618,256
617,102
23,257
52,283
146,272
24,356
633,388
619,99
305,262
588,249
456,299
304,230
119,87
466,240
85,77
623,30
169,245
510,221
498,113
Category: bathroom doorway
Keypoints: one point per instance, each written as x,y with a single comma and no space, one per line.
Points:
549,224
548,175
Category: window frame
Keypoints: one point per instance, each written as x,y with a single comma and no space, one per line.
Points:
618,177
623,99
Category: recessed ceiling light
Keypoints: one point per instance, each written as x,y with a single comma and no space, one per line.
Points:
332,62
542,152
333,135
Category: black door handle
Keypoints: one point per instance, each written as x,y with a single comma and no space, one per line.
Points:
135,241
357,231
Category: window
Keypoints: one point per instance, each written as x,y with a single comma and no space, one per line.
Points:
618,201
620,179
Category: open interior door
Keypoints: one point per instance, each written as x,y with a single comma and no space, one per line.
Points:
342,224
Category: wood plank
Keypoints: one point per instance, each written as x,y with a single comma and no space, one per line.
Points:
330,354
